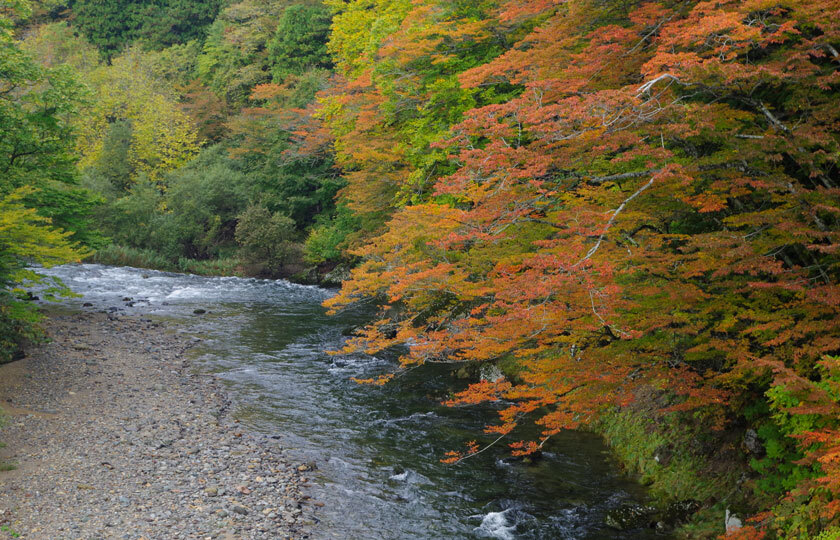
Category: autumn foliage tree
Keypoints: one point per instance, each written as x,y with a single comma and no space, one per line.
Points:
635,195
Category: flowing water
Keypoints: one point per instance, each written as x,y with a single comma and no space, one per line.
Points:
377,449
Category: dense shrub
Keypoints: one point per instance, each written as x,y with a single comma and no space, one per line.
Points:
267,239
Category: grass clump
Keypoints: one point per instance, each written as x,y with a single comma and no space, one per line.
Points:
117,255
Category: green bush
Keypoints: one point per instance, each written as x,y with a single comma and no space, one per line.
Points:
829,534
113,25
115,164
230,266
201,207
778,469
326,239
195,218
267,239
133,219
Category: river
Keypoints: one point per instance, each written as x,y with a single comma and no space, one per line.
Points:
377,449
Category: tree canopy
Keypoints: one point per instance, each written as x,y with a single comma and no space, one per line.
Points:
115,24
38,184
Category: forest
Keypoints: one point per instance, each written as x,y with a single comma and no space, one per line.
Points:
631,208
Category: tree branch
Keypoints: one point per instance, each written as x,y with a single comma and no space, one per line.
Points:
775,122
611,222
833,51
648,85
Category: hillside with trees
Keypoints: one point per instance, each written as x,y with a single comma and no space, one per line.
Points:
632,209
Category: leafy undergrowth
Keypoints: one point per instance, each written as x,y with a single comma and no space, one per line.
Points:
678,462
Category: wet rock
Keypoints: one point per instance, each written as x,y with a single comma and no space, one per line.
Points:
335,277
631,516
679,512
308,276
463,372
752,443
351,331
532,458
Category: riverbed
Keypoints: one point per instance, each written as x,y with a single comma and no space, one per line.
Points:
377,450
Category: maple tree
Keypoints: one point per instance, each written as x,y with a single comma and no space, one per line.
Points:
641,196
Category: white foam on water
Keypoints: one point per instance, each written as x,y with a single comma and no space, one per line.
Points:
410,477
338,462
402,477
188,292
108,285
496,525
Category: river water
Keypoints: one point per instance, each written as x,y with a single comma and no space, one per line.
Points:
377,449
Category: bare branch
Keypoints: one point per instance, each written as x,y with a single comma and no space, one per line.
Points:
833,51
612,221
468,456
648,85
775,121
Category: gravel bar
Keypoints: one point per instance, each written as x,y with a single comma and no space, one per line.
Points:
114,436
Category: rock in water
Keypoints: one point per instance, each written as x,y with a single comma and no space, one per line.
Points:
630,516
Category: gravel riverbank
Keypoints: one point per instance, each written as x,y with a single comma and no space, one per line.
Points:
114,436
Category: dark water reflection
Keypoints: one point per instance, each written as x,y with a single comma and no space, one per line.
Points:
377,449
